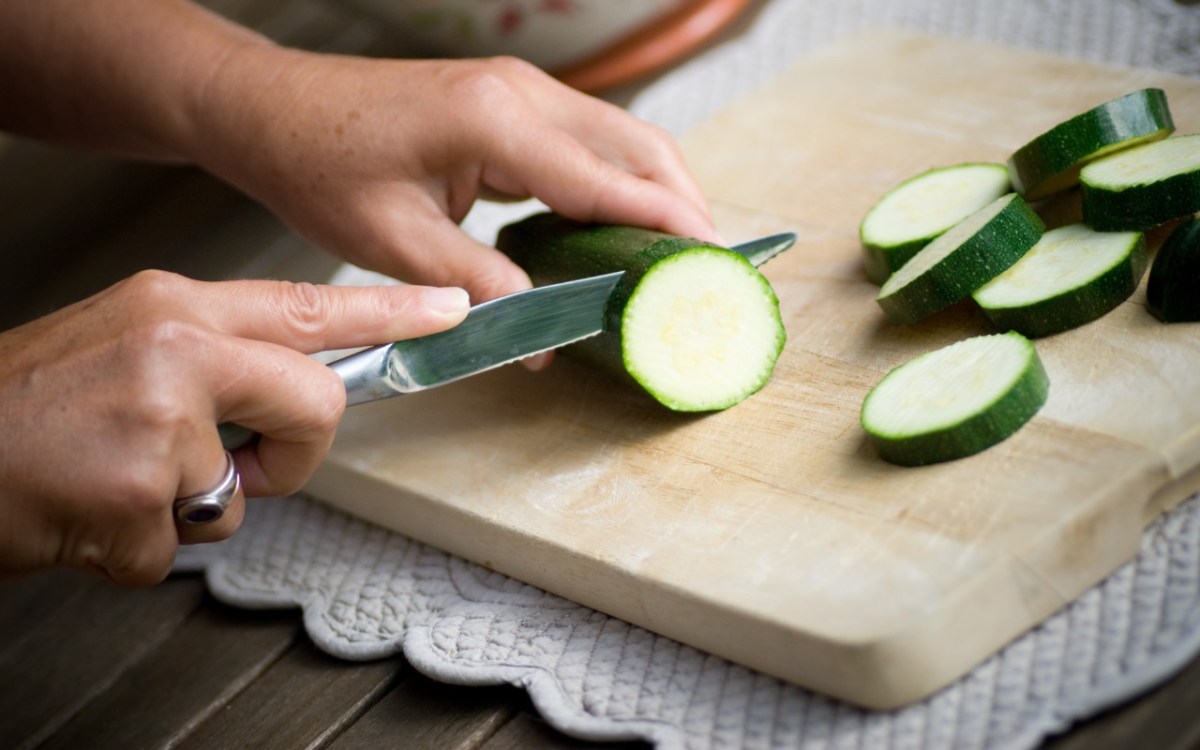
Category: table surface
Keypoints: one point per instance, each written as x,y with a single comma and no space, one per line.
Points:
90,665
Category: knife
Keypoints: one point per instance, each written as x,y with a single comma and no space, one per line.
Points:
499,332
494,333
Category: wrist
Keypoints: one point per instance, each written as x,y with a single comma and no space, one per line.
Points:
233,119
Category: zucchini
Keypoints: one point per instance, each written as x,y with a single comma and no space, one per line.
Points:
955,401
1050,163
1144,186
912,214
1173,289
971,253
694,325
1072,276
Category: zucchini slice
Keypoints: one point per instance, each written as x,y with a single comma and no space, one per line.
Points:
694,325
1144,186
1050,163
970,254
1072,276
912,214
955,401
1173,289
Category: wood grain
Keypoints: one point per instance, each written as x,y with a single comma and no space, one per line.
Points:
771,534
89,636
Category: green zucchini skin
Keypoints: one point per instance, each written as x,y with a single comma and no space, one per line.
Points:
982,256
1173,289
552,249
1139,206
1050,163
1071,308
985,428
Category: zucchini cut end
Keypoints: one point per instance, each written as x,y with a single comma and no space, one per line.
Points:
955,401
702,330
918,210
1072,276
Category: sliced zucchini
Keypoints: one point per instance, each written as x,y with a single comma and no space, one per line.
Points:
694,325
909,216
1144,186
970,254
1072,276
1051,162
955,401
1173,289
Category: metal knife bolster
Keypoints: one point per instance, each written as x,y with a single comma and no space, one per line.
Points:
368,375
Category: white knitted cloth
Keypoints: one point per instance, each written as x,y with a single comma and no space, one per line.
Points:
369,593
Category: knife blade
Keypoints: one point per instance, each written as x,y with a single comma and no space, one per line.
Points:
494,334
500,332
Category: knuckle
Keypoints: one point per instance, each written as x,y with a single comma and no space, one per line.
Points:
143,489
283,486
488,83
513,66
329,402
154,288
140,568
307,311
152,349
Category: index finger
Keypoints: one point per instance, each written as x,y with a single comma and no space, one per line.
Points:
319,317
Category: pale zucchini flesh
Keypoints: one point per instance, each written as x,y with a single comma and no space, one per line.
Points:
915,212
1051,162
971,253
1144,186
955,401
1072,276
701,331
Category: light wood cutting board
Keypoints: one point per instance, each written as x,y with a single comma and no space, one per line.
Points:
771,534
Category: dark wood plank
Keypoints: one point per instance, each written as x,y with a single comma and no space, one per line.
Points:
1165,718
304,700
183,682
70,654
421,714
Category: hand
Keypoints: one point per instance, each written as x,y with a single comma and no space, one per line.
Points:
112,406
378,160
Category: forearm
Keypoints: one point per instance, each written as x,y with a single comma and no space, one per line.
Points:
124,76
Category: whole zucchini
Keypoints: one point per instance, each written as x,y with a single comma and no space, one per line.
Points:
693,324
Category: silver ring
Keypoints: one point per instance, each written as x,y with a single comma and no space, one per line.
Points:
207,507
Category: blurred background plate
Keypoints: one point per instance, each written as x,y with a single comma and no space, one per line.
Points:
590,44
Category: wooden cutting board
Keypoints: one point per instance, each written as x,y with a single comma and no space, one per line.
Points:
771,534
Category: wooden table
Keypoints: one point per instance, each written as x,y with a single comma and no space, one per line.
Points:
89,665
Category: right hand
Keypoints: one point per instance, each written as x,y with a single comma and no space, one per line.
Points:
112,406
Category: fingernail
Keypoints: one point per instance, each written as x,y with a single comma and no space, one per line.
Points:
537,362
448,300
